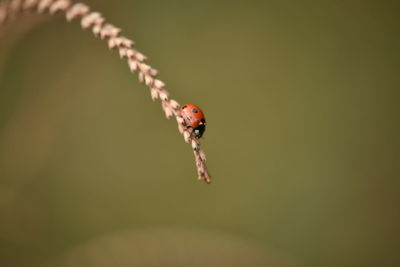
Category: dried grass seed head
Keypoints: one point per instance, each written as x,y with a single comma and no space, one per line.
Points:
99,27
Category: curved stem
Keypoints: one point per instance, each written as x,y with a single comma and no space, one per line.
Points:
95,22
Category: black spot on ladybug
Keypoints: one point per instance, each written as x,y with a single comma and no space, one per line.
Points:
184,107
189,118
195,110
203,121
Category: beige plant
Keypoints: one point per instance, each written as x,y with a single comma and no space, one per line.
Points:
95,22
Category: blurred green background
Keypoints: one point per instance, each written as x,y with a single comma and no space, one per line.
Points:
302,105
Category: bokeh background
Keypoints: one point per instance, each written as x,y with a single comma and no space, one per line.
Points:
302,103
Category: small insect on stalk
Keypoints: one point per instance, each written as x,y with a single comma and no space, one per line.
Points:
194,118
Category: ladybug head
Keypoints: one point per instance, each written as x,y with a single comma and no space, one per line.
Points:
200,129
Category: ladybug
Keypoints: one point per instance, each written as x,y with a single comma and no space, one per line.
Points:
194,118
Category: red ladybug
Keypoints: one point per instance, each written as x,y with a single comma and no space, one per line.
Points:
194,118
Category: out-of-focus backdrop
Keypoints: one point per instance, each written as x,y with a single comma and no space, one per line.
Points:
302,104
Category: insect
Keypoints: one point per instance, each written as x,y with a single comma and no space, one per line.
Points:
194,118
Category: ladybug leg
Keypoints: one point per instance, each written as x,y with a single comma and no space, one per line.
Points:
190,129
